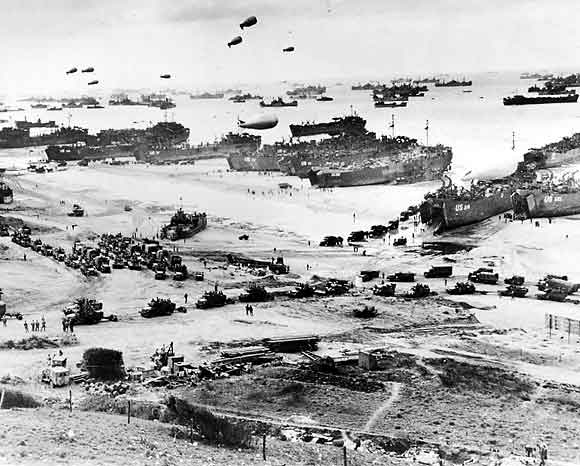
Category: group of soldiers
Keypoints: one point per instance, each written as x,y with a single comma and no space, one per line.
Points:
542,449
35,325
67,325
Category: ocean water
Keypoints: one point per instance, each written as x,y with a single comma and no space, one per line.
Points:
476,125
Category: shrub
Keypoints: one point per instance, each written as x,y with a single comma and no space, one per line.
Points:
103,363
214,428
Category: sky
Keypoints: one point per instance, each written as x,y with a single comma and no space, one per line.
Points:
131,42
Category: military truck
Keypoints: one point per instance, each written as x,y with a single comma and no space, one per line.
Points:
56,374
439,271
401,277
483,275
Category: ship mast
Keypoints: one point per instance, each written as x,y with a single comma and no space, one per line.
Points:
513,140
427,133
392,125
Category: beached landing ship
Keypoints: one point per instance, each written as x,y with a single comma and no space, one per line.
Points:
548,200
14,138
184,225
368,160
452,207
230,144
565,151
353,124
68,153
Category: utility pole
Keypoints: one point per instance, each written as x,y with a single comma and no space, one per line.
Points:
392,126
427,133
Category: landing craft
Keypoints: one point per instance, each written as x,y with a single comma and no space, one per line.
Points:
288,49
71,71
90,69
251,21
165,76
259,122
92,83
235,41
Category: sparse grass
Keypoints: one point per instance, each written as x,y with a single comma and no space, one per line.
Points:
16,399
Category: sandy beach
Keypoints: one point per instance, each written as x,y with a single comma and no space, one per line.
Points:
509,333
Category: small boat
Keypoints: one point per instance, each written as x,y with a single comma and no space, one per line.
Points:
94,106
325,98
54,109
382,104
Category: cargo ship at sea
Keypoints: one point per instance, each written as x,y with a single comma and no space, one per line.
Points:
453,83
123,100
25,124
542,99
556,154
279,102
366,160
453,207
207,95
541,77
352,124
307,92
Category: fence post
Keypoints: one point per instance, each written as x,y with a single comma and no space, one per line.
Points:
264,447
70,399
128,411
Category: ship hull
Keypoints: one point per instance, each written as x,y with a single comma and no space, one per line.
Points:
245,162
44,140
71,153
447,214
348,125
198,153
521,100
423,168
537,204
174,234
